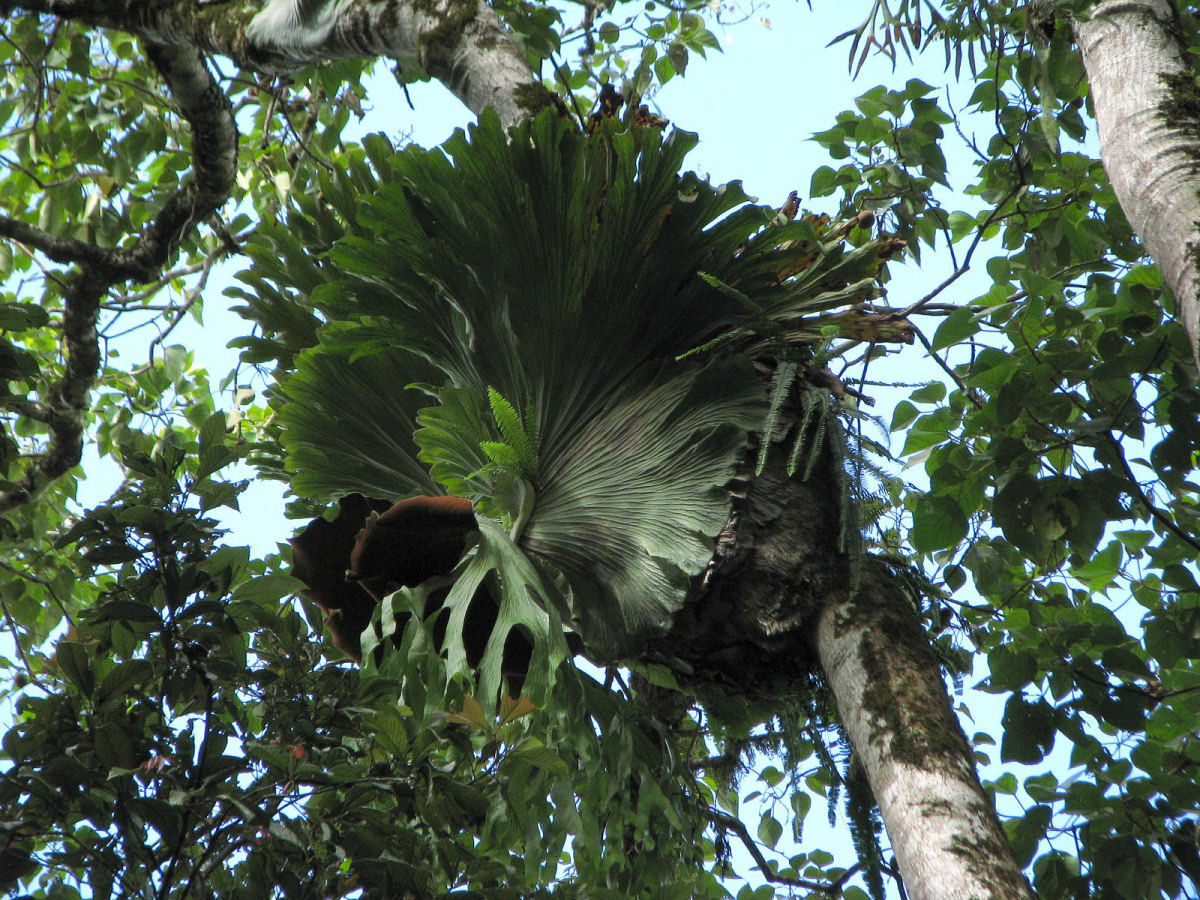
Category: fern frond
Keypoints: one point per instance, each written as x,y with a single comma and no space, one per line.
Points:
815,411
500,453
862,815
781,386
520,448
849,482
723,338
820,433
871,508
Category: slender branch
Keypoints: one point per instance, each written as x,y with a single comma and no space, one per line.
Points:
192,296
1159,515
962,385
963,267
738,827
16,639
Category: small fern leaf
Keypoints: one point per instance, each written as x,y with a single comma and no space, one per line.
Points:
714,282
821,433
506,416
512,429
803,443
723,338
500,454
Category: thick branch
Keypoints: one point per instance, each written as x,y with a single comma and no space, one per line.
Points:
461,43
209,115
60,248
1148,115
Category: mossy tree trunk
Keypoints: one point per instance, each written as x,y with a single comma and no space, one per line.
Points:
778,614
893,703
1147,102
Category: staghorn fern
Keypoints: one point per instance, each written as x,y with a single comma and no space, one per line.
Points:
620,299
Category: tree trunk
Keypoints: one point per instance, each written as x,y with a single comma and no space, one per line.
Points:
776,610
1147,104
893,703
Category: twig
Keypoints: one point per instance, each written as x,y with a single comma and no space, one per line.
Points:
962,385
965,265
16,639
738,827
1165,520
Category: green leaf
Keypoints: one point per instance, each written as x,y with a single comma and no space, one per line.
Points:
959,325
961,224
938,523
542,757
769,830
673,448
75,661
527,600
123,677
934,392
1028,730
903,415
521,450
348,426
1102,569
267,588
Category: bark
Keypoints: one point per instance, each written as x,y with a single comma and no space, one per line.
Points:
1147,105
745,627
892,701
461,43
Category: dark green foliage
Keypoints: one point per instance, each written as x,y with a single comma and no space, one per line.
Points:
189,732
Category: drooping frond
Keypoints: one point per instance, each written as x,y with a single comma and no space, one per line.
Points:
782,382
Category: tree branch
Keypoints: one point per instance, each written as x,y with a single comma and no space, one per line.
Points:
214,151
738,827
461,43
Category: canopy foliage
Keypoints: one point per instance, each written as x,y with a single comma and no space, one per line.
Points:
176,726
